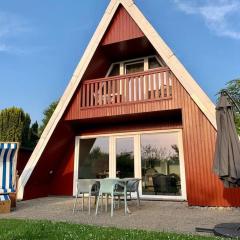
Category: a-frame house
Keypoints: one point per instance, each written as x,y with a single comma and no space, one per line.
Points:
131,109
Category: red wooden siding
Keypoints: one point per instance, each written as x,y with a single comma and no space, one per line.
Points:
22,159
131,122
86,115
62,182
55,165
126,89
108,54
155,99
203,187
122,28
98,66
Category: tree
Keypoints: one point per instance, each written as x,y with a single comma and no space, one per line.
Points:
47,115
152,155
15,127
174,156
25,131
33,135
233,88
125,164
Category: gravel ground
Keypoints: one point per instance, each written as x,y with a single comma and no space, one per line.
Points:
151,215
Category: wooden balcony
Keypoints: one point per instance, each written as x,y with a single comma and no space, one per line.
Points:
153,90
127,89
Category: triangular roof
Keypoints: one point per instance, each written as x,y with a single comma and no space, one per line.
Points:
197,94
117,32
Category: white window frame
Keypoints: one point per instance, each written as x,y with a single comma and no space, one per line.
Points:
114,142
132,61
129,63
137,159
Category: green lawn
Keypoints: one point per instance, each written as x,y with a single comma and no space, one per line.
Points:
26,229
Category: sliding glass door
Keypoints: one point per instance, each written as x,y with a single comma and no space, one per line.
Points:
160,164
125,157
155,157
93,158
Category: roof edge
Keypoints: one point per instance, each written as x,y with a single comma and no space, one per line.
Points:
67,95
187,81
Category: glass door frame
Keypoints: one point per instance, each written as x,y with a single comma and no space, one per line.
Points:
137,159
113,162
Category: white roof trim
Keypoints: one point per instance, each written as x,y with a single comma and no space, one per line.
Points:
191,86
197,94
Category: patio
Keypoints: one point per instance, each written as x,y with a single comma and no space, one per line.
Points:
152,215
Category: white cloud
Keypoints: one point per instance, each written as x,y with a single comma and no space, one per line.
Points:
11,26
218,15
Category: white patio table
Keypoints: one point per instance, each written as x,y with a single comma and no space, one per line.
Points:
123,182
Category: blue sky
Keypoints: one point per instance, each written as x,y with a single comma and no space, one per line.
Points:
41,43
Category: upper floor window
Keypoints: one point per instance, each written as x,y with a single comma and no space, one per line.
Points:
115,71
153,63
134,66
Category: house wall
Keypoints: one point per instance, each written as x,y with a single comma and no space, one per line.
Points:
121,28
54,171
203,187
22,159
62,181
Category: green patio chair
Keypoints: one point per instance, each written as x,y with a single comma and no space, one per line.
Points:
133,186
110,187
86,186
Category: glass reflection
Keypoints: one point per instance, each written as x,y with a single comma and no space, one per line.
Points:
125,157
160,164
94,158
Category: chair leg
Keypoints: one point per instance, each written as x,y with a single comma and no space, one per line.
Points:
112,200
118,201
89,204
75,203
106,205
82,202
138,198
125,200
97,205
101,203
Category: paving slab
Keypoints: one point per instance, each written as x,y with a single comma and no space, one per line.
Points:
151,215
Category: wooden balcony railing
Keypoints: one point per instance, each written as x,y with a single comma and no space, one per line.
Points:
144,86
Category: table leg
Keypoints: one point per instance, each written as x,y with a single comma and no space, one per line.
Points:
125,199
125,196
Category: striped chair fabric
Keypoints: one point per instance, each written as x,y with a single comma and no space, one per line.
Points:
4,198
7,167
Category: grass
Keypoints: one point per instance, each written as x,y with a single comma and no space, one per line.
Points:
28,229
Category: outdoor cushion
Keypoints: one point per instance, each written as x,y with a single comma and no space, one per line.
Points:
4,198
7,167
